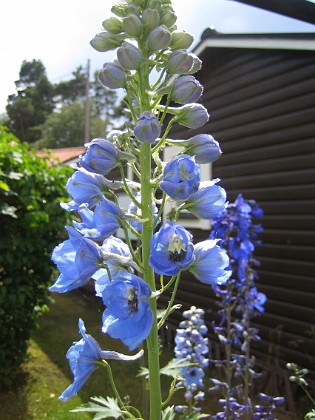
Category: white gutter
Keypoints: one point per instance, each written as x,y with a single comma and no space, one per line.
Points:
256,43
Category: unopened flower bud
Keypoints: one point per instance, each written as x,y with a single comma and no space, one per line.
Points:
112,76
113,25
150,18
106,41
155,4
159,38
129,56
148,128
181,40
139,3
168,18
197,64
132,25
179,62
132,9
192,115
204,147
186,89
100,157
119,10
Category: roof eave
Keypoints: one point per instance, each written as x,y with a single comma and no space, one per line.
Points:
212,39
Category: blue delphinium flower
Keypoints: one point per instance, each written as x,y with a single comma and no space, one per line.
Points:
86,187
171,249
181,177
128,315
83,357
191,345
100,157
77,259
208,202
210,263
100,223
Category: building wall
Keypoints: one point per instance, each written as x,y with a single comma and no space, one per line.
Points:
262,106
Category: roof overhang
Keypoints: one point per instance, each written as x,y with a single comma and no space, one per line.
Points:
303,10
213,39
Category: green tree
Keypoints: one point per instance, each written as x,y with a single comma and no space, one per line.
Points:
65,127
72,90
32,224
34,101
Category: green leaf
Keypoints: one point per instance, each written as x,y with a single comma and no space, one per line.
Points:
104,407
144,372
174,367
4,186
168,413
310,415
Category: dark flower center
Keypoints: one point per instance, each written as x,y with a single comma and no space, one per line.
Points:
176,248
176,256
133,301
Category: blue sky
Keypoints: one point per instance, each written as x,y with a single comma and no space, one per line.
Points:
58,32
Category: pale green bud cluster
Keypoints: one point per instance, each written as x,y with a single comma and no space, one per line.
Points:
148,42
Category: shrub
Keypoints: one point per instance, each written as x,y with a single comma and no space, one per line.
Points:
31,224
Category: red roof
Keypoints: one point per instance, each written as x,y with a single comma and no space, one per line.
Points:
64,154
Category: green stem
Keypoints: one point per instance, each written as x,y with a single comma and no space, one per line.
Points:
170,303
127,190
148,274
114,388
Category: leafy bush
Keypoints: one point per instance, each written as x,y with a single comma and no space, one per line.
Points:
31,224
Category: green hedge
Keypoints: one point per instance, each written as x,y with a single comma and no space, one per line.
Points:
31,222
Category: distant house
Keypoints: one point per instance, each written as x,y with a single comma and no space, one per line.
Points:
260,92
64,156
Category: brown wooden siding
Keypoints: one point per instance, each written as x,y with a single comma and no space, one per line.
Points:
262,106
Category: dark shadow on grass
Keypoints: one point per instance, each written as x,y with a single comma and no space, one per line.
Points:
12,401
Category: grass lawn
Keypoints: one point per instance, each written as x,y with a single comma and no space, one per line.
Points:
46,373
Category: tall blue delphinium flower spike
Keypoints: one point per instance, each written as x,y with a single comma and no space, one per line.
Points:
83,357
240,302
191,345
155,69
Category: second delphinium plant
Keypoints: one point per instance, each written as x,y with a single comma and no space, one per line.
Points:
130,272
239,302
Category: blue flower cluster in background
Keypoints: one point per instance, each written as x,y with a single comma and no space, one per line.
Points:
239,302
191,346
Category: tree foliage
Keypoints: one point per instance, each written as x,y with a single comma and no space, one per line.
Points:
65,128
53,115
32,103
31,225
